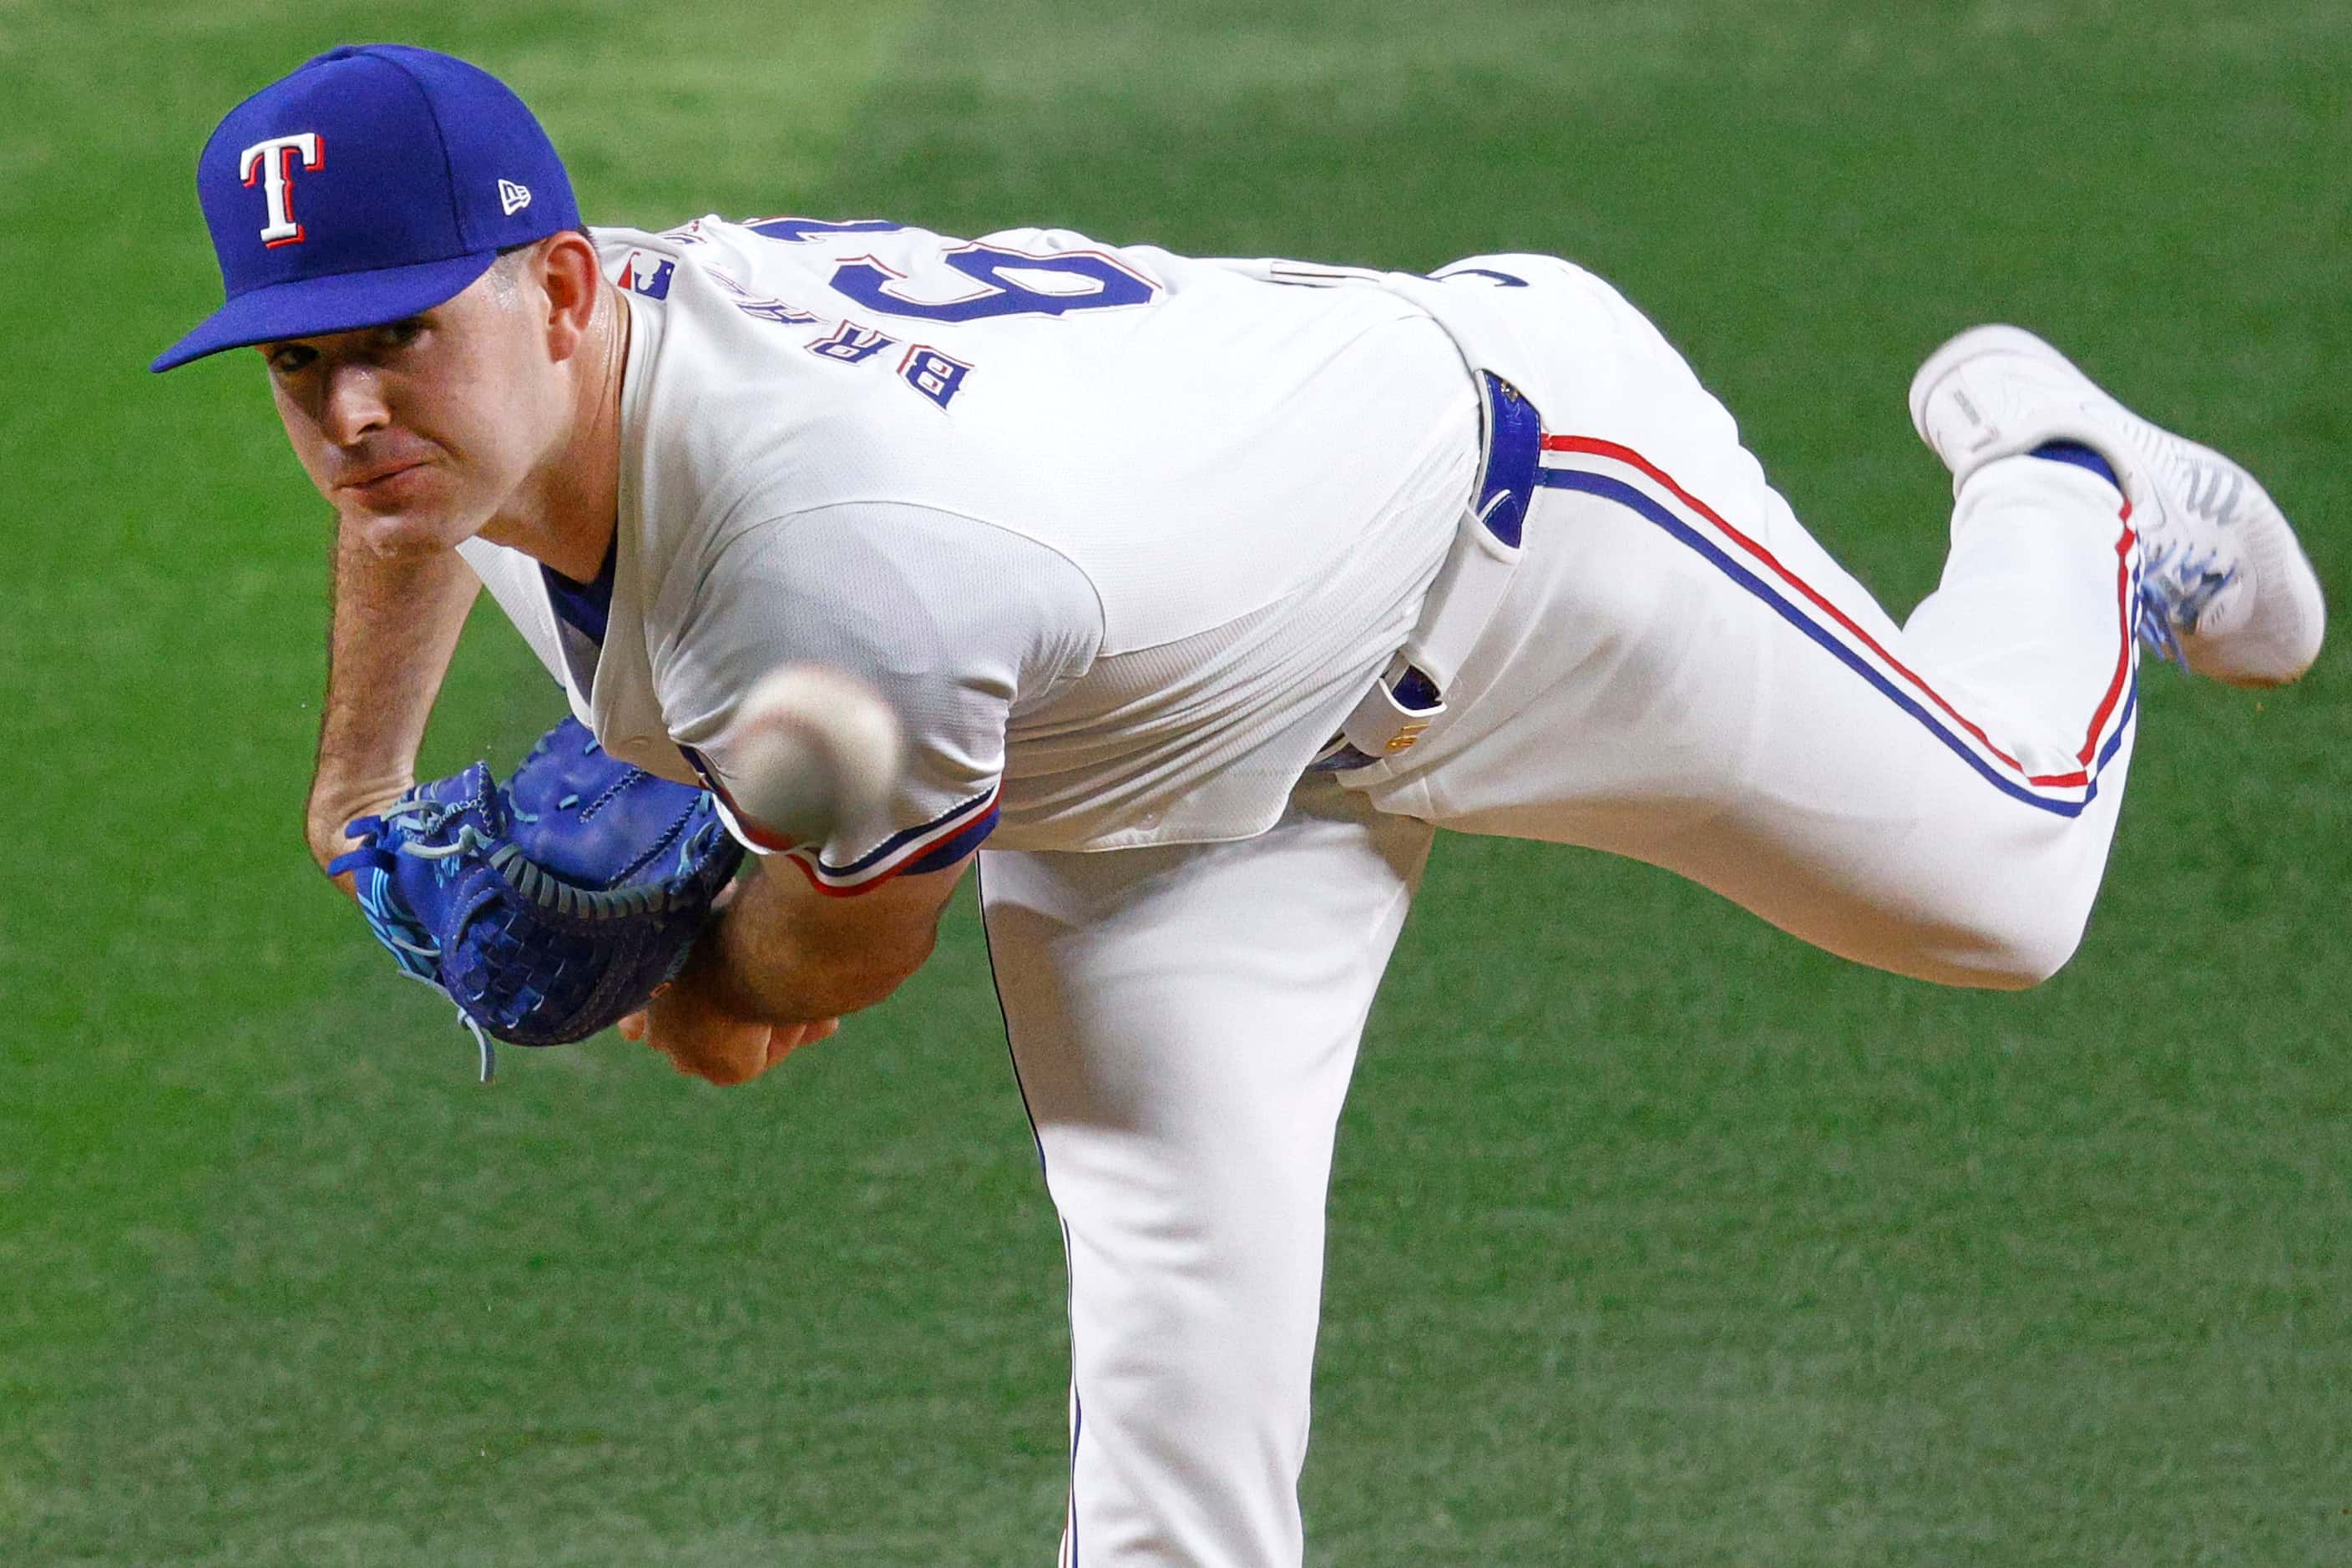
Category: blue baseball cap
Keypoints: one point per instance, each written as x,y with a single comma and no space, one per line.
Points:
375,181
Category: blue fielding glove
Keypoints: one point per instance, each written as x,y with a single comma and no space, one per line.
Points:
550,907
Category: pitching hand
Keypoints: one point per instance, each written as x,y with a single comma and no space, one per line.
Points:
702,1039
687,1022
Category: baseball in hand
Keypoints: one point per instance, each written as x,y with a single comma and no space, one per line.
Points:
820,749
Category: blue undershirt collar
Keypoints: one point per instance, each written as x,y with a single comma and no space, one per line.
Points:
585,607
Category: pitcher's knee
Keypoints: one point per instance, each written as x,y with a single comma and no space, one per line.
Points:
2019,943
1228,1377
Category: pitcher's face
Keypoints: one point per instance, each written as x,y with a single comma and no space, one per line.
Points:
418,432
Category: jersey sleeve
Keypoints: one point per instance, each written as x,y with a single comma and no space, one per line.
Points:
955,622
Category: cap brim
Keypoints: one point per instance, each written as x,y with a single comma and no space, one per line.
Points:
313,307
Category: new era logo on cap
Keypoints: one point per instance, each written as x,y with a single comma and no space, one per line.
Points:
513,198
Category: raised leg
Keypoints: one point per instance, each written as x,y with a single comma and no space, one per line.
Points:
1681,674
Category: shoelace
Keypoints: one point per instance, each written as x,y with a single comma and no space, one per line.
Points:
2176,588
2154,627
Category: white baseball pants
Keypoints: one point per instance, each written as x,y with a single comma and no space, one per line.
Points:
1679,674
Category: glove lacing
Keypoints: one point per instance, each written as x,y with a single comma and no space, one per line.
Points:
416,959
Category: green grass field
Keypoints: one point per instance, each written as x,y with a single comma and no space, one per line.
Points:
1658,1238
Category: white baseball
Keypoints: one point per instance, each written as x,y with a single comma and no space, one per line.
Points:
820,749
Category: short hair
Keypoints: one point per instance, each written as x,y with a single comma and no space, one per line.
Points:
579,228
508,265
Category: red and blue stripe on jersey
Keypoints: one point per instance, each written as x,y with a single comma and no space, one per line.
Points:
933,846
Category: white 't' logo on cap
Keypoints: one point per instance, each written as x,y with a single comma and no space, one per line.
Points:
273,161
513,197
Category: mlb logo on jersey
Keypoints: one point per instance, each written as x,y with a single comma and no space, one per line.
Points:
647,275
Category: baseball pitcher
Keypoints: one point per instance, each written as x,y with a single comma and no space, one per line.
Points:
1203,592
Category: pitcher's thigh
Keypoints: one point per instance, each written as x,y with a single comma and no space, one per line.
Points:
1721,699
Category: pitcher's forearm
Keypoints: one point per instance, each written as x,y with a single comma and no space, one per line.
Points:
782,954
394,628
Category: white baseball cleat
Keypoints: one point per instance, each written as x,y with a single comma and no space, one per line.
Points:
2224,588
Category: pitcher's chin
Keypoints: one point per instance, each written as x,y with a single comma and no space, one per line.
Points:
396,531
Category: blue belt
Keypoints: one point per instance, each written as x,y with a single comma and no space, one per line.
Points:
1406,699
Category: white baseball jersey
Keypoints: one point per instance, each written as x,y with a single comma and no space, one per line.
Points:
1121,535
1124,536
